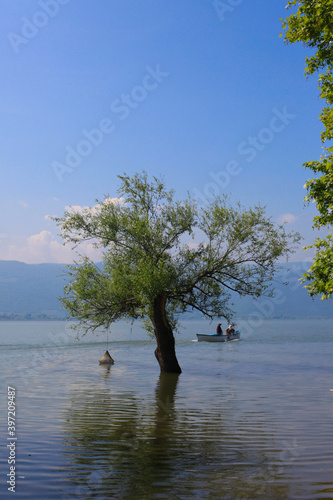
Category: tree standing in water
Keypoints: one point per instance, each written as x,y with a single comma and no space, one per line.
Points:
153,271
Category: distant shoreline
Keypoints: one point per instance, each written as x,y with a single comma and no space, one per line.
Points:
42,317
30,317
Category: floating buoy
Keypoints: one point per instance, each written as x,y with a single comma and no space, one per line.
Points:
106,359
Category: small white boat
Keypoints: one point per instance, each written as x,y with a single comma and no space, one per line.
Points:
202,337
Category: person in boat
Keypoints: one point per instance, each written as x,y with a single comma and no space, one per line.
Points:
230,330
219,329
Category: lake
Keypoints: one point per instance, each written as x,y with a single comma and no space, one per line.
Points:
250,419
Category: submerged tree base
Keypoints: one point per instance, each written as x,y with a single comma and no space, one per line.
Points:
165,352
168,362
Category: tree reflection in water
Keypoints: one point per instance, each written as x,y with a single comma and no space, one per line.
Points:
126,445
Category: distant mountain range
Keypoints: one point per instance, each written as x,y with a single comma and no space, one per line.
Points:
31,291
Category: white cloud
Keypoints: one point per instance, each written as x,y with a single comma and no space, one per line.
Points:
23,203
289,218
44,247
108,201
119,199
195,245
75,208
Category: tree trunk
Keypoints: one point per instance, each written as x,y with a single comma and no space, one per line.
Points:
165,352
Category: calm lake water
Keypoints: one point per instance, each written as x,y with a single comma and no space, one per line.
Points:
250,419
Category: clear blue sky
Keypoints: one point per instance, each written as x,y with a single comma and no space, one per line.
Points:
212,100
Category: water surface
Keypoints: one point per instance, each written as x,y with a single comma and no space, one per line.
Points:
250,419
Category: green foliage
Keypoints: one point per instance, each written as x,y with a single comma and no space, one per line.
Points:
320,274
148,253
312,24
